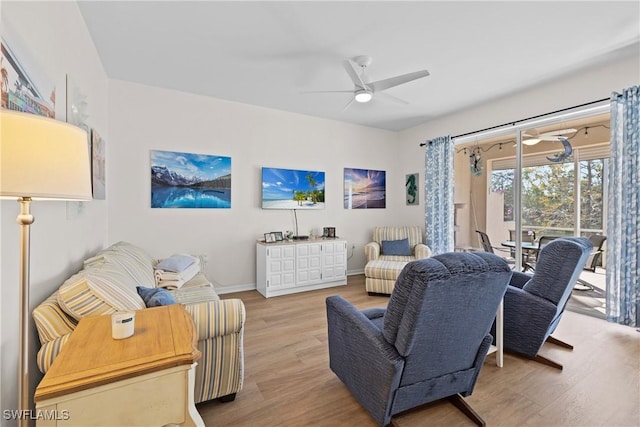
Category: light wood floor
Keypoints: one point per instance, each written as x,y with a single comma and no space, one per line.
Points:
288,381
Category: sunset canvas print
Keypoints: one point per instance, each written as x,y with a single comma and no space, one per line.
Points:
364,189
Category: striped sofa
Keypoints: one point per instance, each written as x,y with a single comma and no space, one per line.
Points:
107,283
382,270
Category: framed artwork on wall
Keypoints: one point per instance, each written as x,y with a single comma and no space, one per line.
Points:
364,189
411,186
97,166
187,180
29,91
76,114
292,189
77,105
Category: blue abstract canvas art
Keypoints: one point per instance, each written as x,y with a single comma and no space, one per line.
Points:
187,180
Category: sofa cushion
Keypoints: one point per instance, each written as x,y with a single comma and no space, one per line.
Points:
382,269
133,260
396,247
194,294
102,289
413,233
155,297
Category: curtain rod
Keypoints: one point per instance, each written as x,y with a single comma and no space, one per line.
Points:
513,123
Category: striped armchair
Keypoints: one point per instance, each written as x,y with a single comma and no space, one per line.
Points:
107,284
382,269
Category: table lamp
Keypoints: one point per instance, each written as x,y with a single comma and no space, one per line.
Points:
40,159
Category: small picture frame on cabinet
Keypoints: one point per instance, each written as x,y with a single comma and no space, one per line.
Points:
269,237
278,236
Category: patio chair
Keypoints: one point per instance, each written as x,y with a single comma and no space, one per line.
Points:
527,236
597,240
488,247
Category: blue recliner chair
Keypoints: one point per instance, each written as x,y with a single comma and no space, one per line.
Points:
428,344
533,304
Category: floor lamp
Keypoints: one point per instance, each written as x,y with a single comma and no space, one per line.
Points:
40,159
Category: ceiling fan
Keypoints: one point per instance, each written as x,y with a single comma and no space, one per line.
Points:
532,137
364,91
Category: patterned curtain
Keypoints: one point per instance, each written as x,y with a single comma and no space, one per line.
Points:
438,200
623,207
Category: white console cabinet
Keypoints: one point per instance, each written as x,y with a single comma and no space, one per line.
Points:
297,266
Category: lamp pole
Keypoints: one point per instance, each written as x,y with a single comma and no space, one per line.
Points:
25,219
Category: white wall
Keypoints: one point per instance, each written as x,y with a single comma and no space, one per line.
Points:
145,118
590,84
50,38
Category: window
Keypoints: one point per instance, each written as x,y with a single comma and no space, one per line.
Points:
549,192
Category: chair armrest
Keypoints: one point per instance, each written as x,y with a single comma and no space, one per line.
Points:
518,279
422,251
49,351
527,318
374,313
217,318
359,355
372,251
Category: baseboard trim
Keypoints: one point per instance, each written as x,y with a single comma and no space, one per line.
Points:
221,290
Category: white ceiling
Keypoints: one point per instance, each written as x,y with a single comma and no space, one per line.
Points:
266,53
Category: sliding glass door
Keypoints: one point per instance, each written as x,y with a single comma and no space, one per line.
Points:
533,181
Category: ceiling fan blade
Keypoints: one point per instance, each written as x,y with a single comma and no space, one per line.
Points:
385,95
353,73
353,98
398,80
327,91
555,133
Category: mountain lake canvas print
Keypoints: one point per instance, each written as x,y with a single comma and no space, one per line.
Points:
187,180
364,189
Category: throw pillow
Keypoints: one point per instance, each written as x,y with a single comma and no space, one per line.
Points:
396,247
154,297
176,263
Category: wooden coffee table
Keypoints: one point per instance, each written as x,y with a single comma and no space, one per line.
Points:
143,380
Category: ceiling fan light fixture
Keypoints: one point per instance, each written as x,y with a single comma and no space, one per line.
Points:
532,141
363,96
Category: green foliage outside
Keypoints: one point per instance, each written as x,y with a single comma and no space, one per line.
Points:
548,196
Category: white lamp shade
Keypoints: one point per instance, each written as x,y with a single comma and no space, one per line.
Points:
42,158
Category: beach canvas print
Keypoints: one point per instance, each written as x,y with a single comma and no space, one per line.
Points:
292,189
187,180
364,189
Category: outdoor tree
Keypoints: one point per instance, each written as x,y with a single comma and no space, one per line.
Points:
548,195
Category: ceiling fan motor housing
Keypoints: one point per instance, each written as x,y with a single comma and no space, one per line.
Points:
362,60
